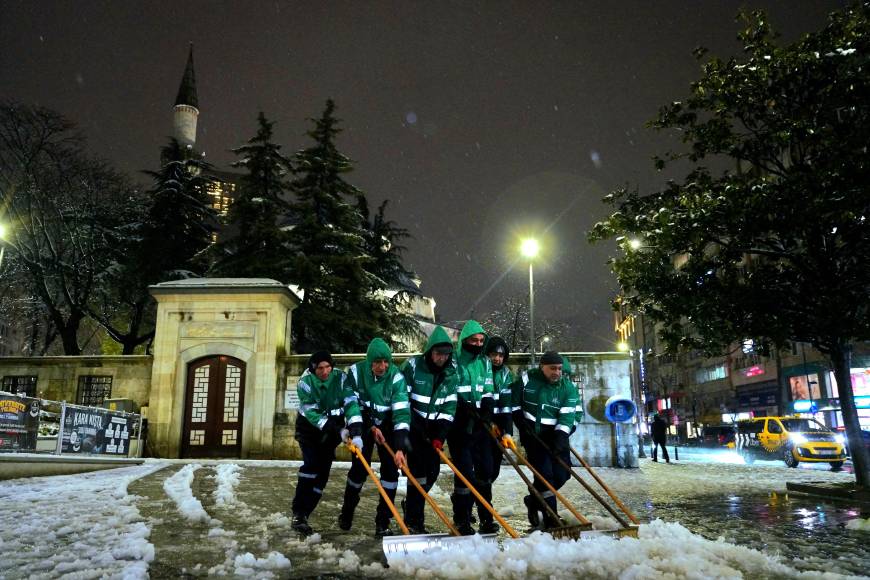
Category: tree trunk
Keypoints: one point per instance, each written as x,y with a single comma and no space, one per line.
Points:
69,335
841,359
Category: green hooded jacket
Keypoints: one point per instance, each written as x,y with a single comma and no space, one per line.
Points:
428,401
385,397
543,403
475,371
319,400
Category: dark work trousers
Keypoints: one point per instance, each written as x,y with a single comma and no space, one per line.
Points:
357,475
317,458
471,453
542,459
425,465
663,444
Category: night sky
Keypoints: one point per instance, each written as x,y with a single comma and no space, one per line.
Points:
478,121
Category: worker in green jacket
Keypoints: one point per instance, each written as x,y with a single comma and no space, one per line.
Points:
470,446
328,414
431,379
543,412
382,392
502,378
568,376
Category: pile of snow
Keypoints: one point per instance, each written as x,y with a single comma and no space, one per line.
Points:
249,565
77,526
859,524
662,550
227,477
178,489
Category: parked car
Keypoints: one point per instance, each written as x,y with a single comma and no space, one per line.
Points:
718,435
793,439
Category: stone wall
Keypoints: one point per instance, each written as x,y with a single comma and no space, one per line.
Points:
58,376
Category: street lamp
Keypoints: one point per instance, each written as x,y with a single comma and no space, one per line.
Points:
544,340
529,249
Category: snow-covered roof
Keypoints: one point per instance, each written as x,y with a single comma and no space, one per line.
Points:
231,285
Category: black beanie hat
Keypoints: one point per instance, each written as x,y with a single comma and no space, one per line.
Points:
551,357
317,358
497,344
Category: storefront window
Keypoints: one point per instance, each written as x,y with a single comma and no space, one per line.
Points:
801,385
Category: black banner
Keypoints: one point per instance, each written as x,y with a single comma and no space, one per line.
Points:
19,422
96,431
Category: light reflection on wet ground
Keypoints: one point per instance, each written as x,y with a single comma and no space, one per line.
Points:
744,505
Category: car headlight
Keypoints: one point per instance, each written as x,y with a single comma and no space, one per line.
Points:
797,438
840,439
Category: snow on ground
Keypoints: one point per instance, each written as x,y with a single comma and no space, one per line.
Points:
77,526
662,550
88,526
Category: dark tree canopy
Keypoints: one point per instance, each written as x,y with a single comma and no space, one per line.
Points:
341,309
776,246
253,244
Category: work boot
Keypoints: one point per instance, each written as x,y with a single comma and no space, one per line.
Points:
300,524
533,509
488,527
382,527
462,503
416,527
351,499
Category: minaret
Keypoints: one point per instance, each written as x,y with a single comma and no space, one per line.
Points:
185,112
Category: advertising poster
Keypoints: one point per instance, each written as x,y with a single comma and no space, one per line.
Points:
19,422
96,431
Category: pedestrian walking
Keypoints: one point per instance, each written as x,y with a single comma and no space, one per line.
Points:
382,393
431,379
544,405
659,432
328,414
470,444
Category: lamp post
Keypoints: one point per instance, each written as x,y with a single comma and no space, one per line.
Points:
529,249
544,340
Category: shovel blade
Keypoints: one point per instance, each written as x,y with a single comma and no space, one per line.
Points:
399,546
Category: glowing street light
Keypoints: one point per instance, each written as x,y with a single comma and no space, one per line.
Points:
634,244
530,248
622,346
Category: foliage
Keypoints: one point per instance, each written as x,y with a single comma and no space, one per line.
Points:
510,320
775,247
341,309
65,212
254,244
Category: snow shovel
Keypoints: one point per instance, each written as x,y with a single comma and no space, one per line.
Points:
534,491
358,452
612,495
592,491
507,527
562,531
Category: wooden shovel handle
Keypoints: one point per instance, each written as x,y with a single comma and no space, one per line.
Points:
441,515
358,452
512,532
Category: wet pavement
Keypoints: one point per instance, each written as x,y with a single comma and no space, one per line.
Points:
744,505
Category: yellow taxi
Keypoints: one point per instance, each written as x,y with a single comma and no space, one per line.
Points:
793,439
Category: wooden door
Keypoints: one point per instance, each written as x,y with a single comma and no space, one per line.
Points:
214,408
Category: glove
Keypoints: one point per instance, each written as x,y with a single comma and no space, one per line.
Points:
493,428
357,442
560,442
508,442
401,441
438,444
378,435
345,435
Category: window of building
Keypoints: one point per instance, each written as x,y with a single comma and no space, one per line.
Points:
93,390
20,385
712,373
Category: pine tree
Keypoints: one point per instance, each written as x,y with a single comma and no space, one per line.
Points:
339,309
181,223
255,246
396,283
